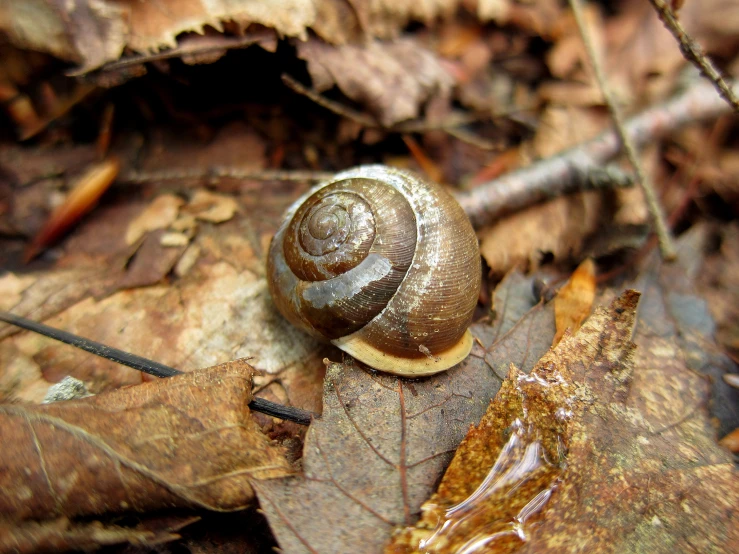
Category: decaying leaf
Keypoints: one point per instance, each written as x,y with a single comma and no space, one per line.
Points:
86,192
185,441
161,213
563,461
680,367
558,228
208,206
383,441
61,534
393,79
575,300
93,33
373,456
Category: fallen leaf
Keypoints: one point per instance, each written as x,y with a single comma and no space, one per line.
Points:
373,457
392,80
718,283
520,455
731,441
394,436
184,441
61,534
575,300
558,227
88,189
151,263
160,214
209,206
173,240
680,367
513,298
566,461
93,34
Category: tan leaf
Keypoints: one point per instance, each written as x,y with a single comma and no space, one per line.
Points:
137,449
160,214
575,300
94,33
558,227
209,206
391,79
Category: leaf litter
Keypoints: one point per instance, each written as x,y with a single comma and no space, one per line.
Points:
192,293
137,449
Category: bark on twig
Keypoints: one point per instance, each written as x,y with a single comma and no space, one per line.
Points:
645,181
563,174
694,53
217,172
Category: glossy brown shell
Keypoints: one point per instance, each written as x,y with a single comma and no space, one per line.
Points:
382,263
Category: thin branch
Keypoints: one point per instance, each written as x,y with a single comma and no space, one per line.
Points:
451,126
655,209
330,105
151,367
564,173
694,53
217,172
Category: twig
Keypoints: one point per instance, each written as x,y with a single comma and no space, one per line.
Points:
151,367
694,53
138,177
330,105
655,209
451,126
563,174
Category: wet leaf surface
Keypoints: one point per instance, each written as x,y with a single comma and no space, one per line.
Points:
566,460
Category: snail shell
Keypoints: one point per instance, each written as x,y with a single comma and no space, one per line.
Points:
383,264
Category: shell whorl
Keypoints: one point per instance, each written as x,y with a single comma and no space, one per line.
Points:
378,259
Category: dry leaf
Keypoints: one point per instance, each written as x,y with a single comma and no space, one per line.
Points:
160,214
209,206
718,282
86,192
677,356
217,309
731,441
559,228
394,437
184,441
373,457
91,34
513,298
151,263
393,80
575,300
61,534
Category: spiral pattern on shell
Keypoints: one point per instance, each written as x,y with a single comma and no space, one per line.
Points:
382,263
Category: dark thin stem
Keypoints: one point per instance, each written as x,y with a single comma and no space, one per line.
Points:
146,365
273,409
113,354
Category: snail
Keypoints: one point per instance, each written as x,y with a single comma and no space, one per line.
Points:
383,264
